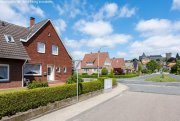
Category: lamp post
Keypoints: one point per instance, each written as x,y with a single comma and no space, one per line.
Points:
98,58
77,80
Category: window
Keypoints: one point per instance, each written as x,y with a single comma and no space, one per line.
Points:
41,47
4,72
89,63
32,69
86,70
9,38
65,70
54,50
58,69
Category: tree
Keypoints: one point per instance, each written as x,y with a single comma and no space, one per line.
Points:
177,57
73,79
111,73
139,68
152,65
104,71
178,66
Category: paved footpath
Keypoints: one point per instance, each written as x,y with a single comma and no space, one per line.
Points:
71,111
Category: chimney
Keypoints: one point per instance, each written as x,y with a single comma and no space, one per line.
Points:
32,21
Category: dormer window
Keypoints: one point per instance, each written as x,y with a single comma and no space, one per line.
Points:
89,63
9,39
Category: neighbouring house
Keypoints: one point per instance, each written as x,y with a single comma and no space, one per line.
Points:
118,65
12,55
90,62
129,66
39,48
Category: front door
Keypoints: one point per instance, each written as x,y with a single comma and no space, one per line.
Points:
50,72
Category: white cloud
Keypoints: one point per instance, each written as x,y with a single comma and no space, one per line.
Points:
161,36
157,27
156,45
73,43
78,55
127,12
71,8
108,41
107,11
60,25
18,13
121,54
95,28
176,5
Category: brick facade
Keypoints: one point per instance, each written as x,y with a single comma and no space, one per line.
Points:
61,60
15,73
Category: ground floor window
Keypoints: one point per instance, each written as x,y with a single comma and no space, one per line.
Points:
32,69
65,70
4,72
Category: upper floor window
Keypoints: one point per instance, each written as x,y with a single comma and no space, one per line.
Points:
4,72
54,50
41,47
9,38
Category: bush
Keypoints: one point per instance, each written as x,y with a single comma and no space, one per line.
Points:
37,84
84,73
73,79
104,71
95,74
20,101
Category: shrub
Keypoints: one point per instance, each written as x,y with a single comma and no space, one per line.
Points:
104,71
84,73
95,74
37,84
73,79
111,75
20,101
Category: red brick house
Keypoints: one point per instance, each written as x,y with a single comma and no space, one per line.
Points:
118,65
89,63
46,55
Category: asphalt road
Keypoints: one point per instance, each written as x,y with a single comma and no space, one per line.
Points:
138,84
135,106
144,101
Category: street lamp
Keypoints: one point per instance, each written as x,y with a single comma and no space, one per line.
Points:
98,58
77,80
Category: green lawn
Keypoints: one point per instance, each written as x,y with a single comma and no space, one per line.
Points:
12,90
158,78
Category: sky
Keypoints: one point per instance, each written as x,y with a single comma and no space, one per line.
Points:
124,28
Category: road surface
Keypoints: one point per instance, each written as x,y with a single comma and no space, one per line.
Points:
144,101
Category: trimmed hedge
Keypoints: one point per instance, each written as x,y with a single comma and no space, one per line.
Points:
20,101
37,84
110,76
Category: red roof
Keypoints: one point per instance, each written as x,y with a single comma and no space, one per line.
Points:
93,58
118,63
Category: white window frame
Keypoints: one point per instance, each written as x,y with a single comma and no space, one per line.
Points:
43,48
65,69
34,74
58,69
89,63
57,50
7,40
4,80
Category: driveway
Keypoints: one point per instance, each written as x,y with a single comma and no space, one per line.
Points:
138,84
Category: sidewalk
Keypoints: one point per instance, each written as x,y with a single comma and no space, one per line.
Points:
73,110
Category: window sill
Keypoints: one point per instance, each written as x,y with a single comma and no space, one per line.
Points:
4,80
32,74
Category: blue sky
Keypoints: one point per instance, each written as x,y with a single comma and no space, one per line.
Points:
124,28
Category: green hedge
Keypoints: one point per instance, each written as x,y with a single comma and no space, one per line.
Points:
37,84
110,76
20,101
